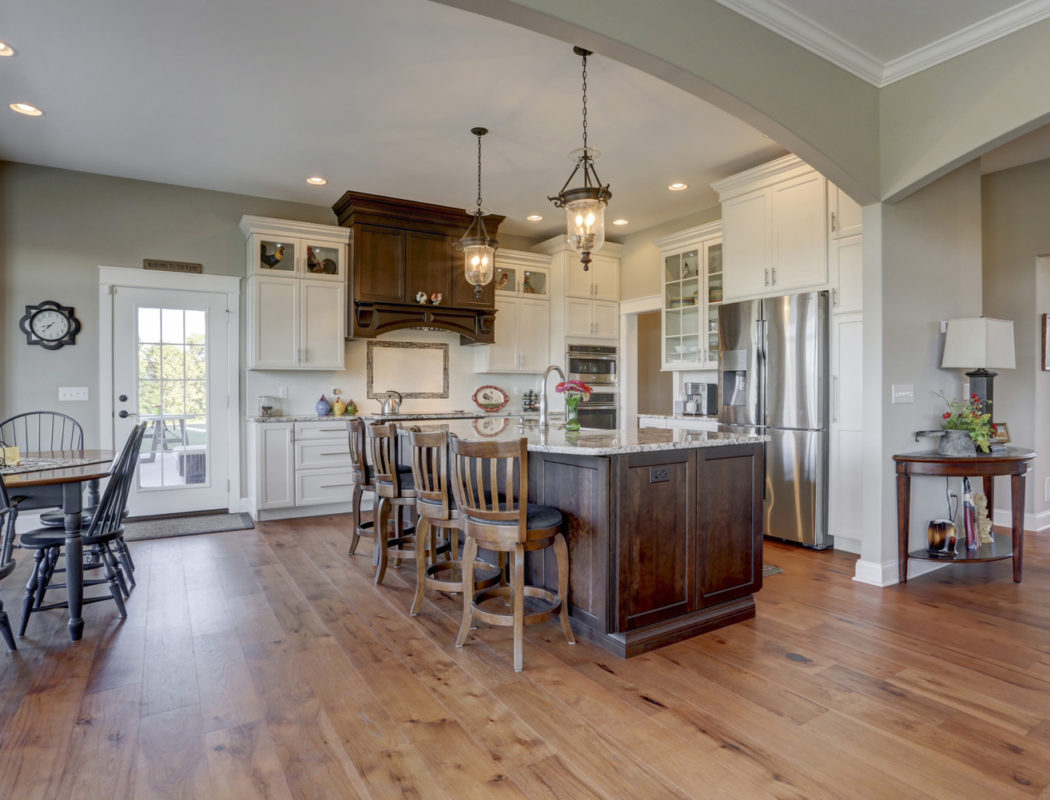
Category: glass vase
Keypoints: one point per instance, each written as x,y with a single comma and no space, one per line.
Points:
572,413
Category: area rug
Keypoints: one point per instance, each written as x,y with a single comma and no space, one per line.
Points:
770,569
186,526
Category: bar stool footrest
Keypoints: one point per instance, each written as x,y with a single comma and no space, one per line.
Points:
505,618
485,575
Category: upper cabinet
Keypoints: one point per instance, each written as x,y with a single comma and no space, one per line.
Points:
296,294
523,315
845,213
406,270
775,229
600,282
693,287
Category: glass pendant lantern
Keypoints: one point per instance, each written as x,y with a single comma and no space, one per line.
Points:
479,249
584,205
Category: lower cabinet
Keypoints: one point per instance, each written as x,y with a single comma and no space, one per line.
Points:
299,464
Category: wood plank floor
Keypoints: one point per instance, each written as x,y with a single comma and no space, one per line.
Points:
264,664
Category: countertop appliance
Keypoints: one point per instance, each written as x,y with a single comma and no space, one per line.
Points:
594,364
773,379
701,399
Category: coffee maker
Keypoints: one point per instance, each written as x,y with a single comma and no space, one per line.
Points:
701,399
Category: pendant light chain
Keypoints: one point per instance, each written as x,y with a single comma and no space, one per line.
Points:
585,105
479,176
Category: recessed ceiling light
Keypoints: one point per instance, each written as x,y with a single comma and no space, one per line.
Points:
28,110
316,180
534,217
620,221
6,49
677,187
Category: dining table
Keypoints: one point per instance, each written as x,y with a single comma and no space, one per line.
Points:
55,477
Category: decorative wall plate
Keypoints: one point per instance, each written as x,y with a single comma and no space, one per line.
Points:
491,426
490,398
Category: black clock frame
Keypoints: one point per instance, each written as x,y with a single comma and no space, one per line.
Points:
25,324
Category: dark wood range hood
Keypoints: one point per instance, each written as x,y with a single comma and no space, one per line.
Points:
399,248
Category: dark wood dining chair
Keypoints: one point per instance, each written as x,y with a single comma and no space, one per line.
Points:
107,525
38,432
7,561
490,481
436,513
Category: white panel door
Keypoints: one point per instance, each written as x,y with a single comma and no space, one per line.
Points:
845,485
274,324
746,246
534,335
322,325
275,465
503,353
170,371
606,277
799,233
578,282
578,321
847,265
606,320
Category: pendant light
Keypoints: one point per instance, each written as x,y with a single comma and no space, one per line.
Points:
585,205
478,247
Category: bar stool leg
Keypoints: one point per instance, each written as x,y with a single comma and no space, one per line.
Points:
355,518
424,534
380,528
561,553
519,606
470,552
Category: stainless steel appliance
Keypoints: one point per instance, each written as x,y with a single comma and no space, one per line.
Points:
773,379
594,364
599,410
701,399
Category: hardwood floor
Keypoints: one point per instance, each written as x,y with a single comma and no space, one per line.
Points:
265,664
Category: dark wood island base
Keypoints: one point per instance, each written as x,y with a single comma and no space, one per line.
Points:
663,545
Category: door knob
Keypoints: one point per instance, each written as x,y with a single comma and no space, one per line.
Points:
125,414
123,398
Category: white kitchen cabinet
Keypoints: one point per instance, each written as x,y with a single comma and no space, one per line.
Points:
649,421
775,229
273,480
845,484
297,304
523,315
846,256
601,281
845,213
591,319
692,279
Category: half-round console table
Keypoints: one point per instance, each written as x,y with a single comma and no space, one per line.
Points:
1014,462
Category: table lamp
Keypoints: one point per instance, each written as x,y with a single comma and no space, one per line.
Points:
977,343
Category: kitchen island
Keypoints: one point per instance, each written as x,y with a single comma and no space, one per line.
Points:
664,526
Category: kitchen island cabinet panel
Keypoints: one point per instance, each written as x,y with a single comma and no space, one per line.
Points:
657,555
729,511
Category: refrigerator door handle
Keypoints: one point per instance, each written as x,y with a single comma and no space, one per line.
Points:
834,398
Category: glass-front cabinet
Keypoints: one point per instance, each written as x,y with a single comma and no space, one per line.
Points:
692,277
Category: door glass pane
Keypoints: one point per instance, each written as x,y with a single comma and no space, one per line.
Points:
534,283
672,268
172,397
506,279
690,264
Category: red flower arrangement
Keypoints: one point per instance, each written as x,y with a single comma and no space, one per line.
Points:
968,417
575,389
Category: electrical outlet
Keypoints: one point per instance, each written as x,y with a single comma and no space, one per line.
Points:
282,392
77,394
658,474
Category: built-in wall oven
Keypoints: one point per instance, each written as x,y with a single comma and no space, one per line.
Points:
596,366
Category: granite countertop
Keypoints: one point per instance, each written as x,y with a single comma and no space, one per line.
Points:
703,417
408,415
592,441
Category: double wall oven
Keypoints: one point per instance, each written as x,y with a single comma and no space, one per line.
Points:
596,366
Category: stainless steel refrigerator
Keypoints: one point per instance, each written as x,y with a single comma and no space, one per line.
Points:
773,379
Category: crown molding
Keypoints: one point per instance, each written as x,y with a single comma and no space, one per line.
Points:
804,32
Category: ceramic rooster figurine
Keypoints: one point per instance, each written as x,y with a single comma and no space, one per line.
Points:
271,259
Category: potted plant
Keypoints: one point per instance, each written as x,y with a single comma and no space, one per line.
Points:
965,428
573,392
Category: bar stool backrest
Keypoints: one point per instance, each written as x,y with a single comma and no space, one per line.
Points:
382,440
355,428
490,482
430,473
40,431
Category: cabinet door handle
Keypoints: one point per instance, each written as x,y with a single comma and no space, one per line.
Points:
340,453
834,222
767,277
774,276
835,297
335,485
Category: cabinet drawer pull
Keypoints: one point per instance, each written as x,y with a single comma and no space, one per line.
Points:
774,276
767,277
335,485
340,453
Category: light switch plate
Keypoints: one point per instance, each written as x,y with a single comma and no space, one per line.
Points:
73,393
903,393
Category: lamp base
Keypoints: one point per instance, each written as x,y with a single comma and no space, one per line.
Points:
981,385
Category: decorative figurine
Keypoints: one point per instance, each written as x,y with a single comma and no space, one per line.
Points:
271,259
435,298
351,409
526,286
984,524
338,407
504,279
421,298
313,263
323,407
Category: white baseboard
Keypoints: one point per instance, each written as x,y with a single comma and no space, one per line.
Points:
886,573
1032,522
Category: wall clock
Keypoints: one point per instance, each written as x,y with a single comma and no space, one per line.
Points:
50,325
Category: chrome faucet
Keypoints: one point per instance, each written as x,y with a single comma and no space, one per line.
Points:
543,392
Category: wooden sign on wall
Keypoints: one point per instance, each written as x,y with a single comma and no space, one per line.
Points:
173,266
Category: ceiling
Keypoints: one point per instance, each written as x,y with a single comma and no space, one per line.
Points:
253,97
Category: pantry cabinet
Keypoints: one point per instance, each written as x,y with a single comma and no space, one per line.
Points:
296,294
523,315
693,287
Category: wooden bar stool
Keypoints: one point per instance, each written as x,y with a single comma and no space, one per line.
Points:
490,481
436,512
361,475
396,493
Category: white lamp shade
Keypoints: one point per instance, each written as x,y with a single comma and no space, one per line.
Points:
979,343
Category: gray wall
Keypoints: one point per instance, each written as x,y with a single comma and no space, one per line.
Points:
1016,232
654,386
641,273
57,227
